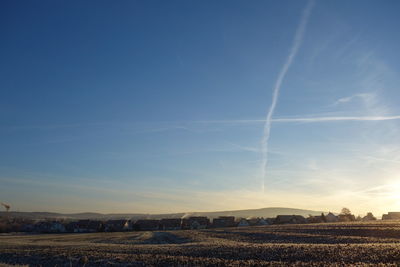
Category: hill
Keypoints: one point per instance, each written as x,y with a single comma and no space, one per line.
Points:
264,212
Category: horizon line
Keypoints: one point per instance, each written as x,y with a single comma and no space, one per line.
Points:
159,213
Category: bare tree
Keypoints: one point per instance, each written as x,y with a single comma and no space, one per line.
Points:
370,217
6,206
345,211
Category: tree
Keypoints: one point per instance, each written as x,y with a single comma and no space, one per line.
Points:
370,217
323,218
345,211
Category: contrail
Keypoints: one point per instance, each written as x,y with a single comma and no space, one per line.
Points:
304,119
343,118
292,54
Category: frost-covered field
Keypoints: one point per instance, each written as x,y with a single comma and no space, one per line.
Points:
302,245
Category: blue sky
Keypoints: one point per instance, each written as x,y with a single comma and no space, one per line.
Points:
160,106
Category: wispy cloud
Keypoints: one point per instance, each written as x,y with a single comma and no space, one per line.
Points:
375,159
164,126
365,97
245,148
339,118
278,84
305,119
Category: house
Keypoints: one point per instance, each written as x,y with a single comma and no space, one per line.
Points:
243,222
57,227
81,226
289,219
146,225
224,221
171,224
71,227
85,226
369,217
391,216
49,227
330,217
262,221
316,219
42,227
198,222
254,222
269,221
257,221
28,227
118,225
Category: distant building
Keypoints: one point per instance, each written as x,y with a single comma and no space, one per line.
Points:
118,226
391,216
49,227
269,221
147,225
243,222
262,221
171,224
316,219
28,227
257,221
85,226
330,217
42,227
369,217
289,219
198,222
224,221
57,227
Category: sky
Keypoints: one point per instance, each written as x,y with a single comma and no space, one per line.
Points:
178,106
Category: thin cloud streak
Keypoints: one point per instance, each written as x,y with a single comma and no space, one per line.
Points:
339,118
278,84
366,97
307,119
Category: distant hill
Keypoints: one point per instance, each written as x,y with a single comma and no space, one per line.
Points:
264,212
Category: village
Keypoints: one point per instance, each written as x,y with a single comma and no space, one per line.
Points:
11,224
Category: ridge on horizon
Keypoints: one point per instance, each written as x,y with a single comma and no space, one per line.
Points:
261,212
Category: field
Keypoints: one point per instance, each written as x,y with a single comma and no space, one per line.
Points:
369,243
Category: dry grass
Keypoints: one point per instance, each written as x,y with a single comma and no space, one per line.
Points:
376,243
